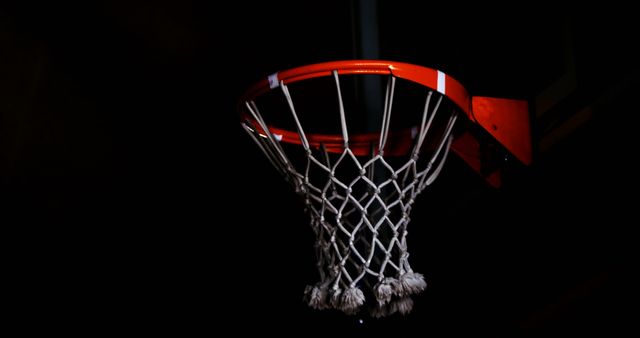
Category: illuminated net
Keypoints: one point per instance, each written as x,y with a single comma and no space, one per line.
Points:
360,204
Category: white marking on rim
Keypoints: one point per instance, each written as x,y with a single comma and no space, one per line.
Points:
273,81
278,137
441,82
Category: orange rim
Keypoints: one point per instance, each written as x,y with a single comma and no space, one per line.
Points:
399,141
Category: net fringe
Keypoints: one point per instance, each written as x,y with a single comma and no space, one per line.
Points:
360,234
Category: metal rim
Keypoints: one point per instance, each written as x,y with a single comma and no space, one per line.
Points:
428,77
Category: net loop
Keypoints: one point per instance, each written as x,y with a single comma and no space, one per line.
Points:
360,221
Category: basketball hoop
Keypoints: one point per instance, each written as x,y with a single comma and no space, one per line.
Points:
359,188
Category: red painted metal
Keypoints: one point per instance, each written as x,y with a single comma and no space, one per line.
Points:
427,77
468,148
506,120
398,143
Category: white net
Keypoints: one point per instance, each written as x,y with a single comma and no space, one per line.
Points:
360,205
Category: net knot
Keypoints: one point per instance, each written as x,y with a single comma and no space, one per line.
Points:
336,299
402,306
316,296
352,300
411,283
384,290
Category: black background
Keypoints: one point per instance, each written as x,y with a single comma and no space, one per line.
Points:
142,206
